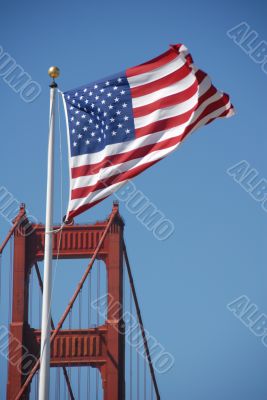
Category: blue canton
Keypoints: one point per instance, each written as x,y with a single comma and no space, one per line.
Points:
99,114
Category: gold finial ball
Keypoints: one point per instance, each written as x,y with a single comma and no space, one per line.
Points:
54,72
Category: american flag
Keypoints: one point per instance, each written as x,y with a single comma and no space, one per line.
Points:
123,124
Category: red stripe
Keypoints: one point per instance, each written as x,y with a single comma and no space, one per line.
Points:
168,101
167,80
208,110
156,62
168,123
83,208
121,158
87,190
164,124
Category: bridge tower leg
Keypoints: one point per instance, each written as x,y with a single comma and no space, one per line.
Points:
102,347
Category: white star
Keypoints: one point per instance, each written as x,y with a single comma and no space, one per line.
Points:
68,97
102,131
116,99
90,93
98,118
119,125
90,121
99,139
72,118
80,136
86,101
127,131
109,94
93,134
83,116
112,119
81,97
92,105
106,127
99,109
124,105
114,133
85,128
96,86
76,94
77,123
87,141
73,131
105,114
110,106
74,144
115,88
96,97
73,101
97,126
107,83
119,80
79,105
92,113
123,92
118,112
77,112
102,90
71,108
126,118
85,90
103,123
103,101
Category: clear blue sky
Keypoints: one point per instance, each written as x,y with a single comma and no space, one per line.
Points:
217,251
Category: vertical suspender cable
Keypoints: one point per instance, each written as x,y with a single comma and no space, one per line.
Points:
97,321
131,348
151,390
80,325
70,327
10,282
0,278
144,378
89,323
137,374
30,298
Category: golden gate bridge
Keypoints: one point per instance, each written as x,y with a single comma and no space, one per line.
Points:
99,346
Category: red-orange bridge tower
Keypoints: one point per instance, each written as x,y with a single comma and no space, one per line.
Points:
101,347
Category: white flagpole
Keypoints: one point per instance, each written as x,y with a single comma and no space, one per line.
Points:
46,308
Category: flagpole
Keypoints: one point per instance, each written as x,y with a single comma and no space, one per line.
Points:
44,376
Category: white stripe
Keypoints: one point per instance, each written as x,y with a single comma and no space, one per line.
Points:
157,73
214,114
94,196
177,87
97,195
106,172
138,162
167,112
